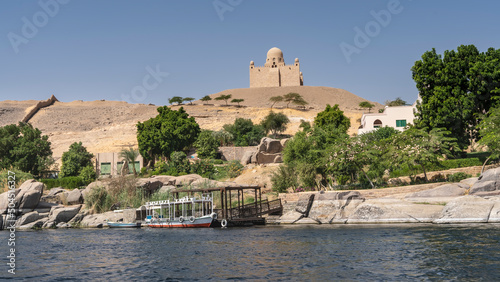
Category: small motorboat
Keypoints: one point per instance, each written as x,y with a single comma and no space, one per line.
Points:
112,224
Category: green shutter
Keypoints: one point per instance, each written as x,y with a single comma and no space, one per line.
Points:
401,123
105,168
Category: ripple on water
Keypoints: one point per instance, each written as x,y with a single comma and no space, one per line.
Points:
333,252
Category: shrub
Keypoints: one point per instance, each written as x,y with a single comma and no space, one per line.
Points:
98,200
234,169
204,168
457,177
88,174
69,182
284,178
206,145
19,178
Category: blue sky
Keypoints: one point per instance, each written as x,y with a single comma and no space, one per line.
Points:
149,51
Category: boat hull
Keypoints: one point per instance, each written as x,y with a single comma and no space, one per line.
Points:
200,222
123,225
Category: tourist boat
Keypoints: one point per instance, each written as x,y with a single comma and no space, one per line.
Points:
112,224
183,212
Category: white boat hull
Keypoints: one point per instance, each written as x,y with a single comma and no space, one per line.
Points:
204,221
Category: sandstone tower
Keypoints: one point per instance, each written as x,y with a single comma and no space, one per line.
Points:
275,73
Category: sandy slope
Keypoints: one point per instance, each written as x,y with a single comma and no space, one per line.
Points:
107,126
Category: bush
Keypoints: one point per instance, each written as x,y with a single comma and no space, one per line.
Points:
204,168
456,163
98,200
284,178
217,162
457,177
69,182
234,169
88,174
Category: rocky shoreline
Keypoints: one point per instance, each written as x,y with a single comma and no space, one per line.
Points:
473,200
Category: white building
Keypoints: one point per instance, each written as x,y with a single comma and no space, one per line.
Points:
396,117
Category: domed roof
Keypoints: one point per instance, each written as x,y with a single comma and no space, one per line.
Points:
274,53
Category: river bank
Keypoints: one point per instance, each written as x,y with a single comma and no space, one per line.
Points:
473,200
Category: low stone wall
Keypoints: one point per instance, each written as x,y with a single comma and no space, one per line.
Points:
235,153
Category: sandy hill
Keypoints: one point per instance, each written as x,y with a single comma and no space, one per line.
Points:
316,96
109,126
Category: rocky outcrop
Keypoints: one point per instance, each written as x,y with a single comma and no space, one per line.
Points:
447,190
447,203
269,151
100,220
74,197
466,209
487,184
58,215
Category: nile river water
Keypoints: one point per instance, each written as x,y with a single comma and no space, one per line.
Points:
296,253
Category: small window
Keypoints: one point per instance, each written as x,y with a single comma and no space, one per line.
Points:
105,168
401,123
377,123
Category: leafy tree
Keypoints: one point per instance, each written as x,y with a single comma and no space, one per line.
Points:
129,156
306,153
456,89
169,131
332,117
237,101
275,99
25,148
275,122
366,104
175,99
75,159
188,99
489,130
417,147
294,98
244,132
206,145
284,178
397,102
347,156
206,98
224,97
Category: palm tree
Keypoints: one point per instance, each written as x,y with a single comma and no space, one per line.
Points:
129,156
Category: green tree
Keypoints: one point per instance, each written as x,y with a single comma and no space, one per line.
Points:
366,104
224,97
129,156
206,98
244,132
489,130
397,102
25,148
188,99
207,145
294,98
75,159
275,99
417,147
332,117
223,137
169,131
456,89
237,101
175,99
275,122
